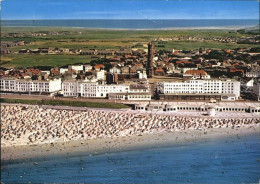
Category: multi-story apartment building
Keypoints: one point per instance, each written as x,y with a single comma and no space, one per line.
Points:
30,86
91,89
104,90
231,87
74,88
201,87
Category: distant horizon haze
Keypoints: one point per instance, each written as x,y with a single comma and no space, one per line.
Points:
134,23
129,9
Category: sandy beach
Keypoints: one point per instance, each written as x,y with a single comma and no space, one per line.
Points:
33,131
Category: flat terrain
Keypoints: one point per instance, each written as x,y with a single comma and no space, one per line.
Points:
79,38
92,104
32,60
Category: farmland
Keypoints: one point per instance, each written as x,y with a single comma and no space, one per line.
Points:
79,38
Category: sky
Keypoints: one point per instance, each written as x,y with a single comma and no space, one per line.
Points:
129,9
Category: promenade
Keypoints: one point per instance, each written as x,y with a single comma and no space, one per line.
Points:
23,124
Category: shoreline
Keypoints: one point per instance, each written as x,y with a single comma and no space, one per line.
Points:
147,29
86,147
58,131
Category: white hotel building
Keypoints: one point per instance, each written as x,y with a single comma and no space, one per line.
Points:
228,89
74,88
29,86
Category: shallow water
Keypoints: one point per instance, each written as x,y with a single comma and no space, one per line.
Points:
230,160
134,24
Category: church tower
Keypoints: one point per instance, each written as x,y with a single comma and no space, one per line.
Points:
149,67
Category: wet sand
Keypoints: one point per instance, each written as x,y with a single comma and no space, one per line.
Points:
103,145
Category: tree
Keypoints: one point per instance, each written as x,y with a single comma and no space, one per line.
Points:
214,55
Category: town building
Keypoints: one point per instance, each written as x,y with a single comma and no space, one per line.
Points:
200,89
255,72
209,108
196,74
130,96
78,88
30,86
87,68
63,70
105,52
76,68
88,52
75,88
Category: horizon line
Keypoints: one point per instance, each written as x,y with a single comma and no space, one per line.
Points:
141,19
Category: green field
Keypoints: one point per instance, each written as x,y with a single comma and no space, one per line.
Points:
29,60
66,103
192,45
102,39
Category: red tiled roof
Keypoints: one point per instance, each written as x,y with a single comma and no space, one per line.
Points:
237,70
196,72
184,61
98,66
33,71
228,51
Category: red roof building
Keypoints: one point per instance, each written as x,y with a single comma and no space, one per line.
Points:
99,66
196,74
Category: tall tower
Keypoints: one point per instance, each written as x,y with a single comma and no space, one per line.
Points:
149,67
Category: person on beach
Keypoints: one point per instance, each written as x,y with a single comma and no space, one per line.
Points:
34,124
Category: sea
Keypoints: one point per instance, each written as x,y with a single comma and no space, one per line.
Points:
135,23
234,159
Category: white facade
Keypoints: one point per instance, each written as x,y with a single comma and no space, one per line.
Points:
87,68
142,75
70,88
101,75
79,88
104,90
63,70
27,86
77,68
141,96
130,96
200,86
231,87
115,70
239,107
197,76
91,89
